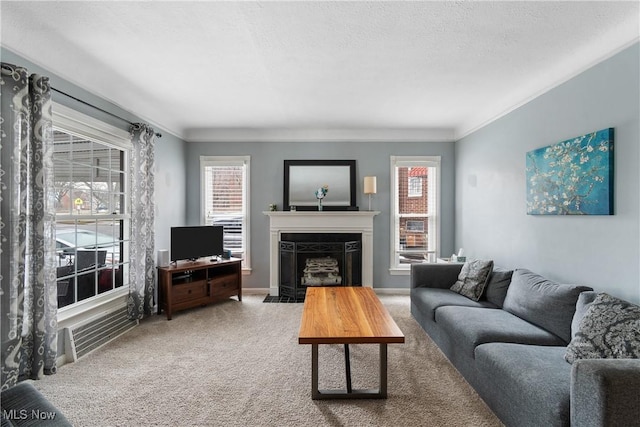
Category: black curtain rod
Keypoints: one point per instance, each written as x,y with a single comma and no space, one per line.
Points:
159,135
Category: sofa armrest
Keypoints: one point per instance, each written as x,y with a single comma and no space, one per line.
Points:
441,276
605,392
24,405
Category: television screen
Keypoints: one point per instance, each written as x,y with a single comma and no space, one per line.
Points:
196,242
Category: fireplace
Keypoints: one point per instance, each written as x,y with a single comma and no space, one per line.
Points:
284,223
319,259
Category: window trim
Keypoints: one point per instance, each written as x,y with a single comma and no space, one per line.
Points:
231,161
434,189
84,126
70,121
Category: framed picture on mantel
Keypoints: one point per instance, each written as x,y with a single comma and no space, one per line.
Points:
303,178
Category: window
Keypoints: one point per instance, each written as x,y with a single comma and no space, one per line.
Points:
415,226
225,201
414,184
415,195
90,164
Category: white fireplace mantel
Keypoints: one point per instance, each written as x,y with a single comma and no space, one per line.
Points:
320,222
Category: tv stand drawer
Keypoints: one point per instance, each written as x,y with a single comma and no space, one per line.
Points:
230,281
189,291
224,287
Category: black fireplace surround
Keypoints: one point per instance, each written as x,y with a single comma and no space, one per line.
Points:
318,259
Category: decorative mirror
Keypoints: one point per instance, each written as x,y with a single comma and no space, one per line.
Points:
302,178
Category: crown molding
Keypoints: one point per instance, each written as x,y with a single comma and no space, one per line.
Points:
319,135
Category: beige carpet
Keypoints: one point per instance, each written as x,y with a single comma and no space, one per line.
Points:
239,364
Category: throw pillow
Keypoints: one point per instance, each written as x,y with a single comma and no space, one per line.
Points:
584,302
610,329
473,279
499,281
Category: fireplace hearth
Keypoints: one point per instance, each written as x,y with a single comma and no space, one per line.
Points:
319,259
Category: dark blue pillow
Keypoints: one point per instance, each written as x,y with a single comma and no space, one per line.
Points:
496,290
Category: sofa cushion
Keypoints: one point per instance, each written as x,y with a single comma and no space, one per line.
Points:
496,290
469,327
543,302
526,385
429,299
610,329
473,279
584,301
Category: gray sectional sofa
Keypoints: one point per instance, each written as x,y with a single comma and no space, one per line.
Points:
510,346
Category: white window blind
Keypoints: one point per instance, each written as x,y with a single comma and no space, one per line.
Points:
224,190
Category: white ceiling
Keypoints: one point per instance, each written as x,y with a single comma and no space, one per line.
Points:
201,69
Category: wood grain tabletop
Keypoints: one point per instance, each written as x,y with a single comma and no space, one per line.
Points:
346,315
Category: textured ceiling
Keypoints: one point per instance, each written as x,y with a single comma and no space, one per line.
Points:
194,68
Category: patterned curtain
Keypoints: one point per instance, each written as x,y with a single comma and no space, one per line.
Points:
27,248
143,269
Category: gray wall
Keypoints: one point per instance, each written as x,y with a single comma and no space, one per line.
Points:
267,174
170,185
169,153
491,220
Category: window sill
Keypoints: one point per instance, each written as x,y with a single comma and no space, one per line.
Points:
397,271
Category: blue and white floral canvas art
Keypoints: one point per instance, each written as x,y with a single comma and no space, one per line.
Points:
573,177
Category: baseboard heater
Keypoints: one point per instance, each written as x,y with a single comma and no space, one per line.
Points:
83,338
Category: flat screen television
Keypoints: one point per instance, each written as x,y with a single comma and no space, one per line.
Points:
191,243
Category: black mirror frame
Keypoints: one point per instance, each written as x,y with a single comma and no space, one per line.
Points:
314,163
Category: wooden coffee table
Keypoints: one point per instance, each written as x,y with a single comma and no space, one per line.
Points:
347,315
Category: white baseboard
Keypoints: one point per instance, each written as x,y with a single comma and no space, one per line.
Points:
255,291
391,291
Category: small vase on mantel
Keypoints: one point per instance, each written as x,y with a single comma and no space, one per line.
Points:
320,194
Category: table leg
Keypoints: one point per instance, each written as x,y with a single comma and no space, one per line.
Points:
347,366
383,370
380,393
315,393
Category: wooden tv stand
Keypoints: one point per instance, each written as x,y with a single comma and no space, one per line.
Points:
188,284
